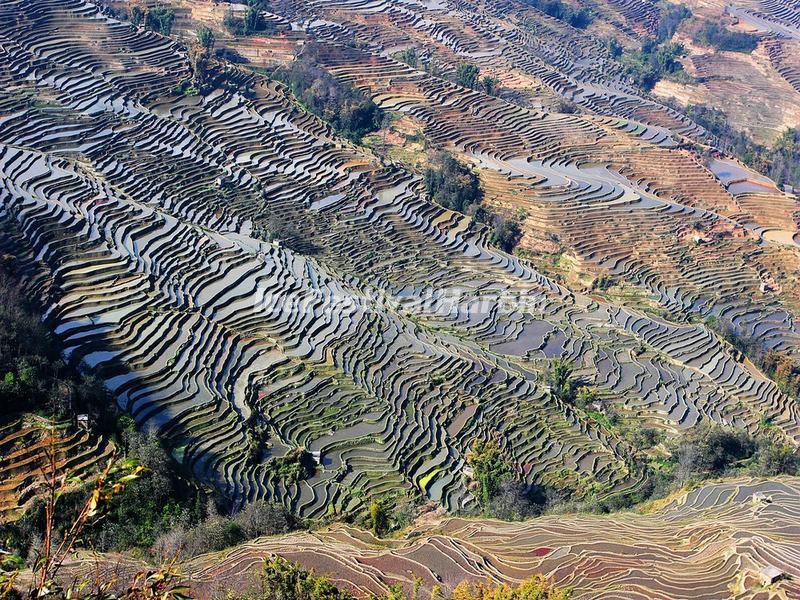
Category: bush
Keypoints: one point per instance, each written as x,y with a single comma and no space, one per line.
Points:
489,85
514,501
284,580
776,458
535,588
294,466
408,56
216,532
784,370
136,15
261,518
379,516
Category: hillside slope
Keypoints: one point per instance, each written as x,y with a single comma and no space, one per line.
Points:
712,542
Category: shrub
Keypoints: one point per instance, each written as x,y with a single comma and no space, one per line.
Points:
614,47
776,458
284,580
489,85
515,501
261,518
408,56
379,516
294,466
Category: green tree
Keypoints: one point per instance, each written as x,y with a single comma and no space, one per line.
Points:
559,378
160,19
489,85
253,21
490,469
452,184
379,516
467,75
205,37
409,56
284,580
136,15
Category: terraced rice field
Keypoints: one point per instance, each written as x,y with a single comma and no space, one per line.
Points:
26,449
709,543
380,331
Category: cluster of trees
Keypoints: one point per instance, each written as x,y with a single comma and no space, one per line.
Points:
206,38
717,451
251,23
781,162
559,377
669,464
537,587
452,184
707,452
468,75
390,513
158,18
348,110
284,580
217,531
658,56
292,467
577,17
408,56
457,187
490,469
653,62
717,36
